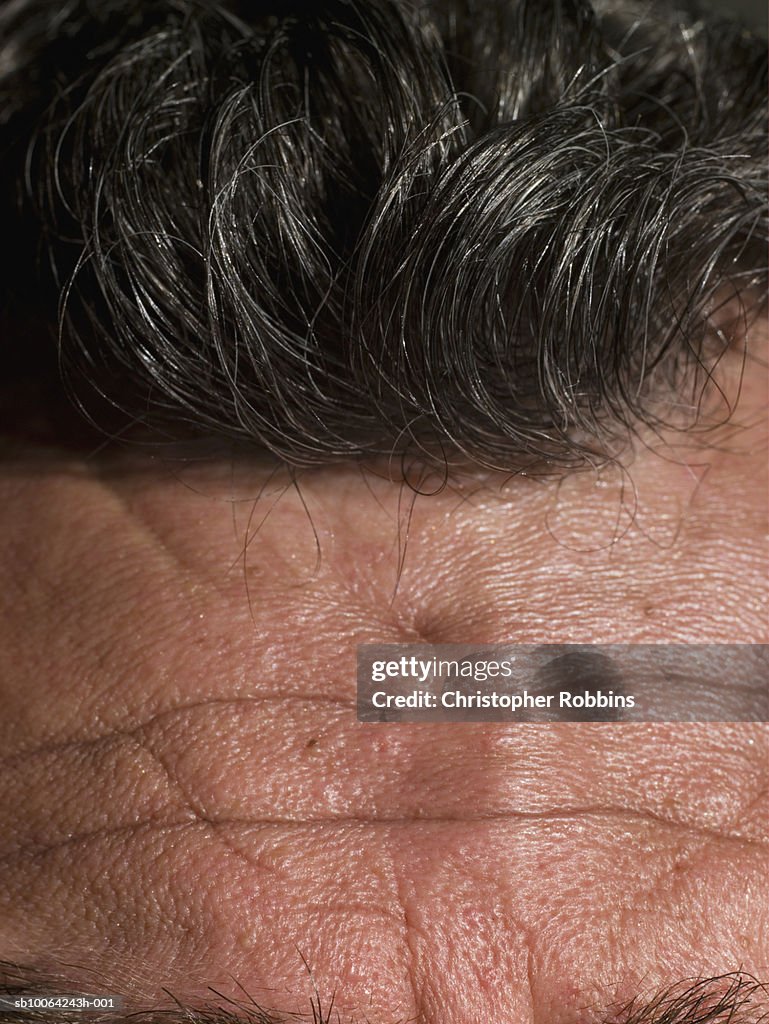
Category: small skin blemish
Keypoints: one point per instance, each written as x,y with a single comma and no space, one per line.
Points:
311,743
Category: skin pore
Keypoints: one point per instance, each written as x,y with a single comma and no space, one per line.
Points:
189,801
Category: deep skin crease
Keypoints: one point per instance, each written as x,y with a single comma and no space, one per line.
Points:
187,798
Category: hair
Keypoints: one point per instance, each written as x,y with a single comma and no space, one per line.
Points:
473,229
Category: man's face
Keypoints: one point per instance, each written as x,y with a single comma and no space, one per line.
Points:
189,801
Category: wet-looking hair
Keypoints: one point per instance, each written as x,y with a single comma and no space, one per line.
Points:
489,229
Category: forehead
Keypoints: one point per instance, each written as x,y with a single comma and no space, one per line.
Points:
188,798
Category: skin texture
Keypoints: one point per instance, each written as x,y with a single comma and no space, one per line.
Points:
186,797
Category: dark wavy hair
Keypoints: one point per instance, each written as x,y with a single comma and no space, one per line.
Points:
476,229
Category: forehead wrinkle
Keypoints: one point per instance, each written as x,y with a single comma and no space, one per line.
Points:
214,756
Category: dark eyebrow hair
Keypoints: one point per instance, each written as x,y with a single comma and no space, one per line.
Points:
492,231
732,998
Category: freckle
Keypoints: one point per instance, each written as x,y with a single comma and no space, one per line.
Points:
311,743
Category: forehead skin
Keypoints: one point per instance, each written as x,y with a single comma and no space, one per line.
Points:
187,799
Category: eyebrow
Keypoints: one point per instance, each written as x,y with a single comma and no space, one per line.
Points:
732,998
